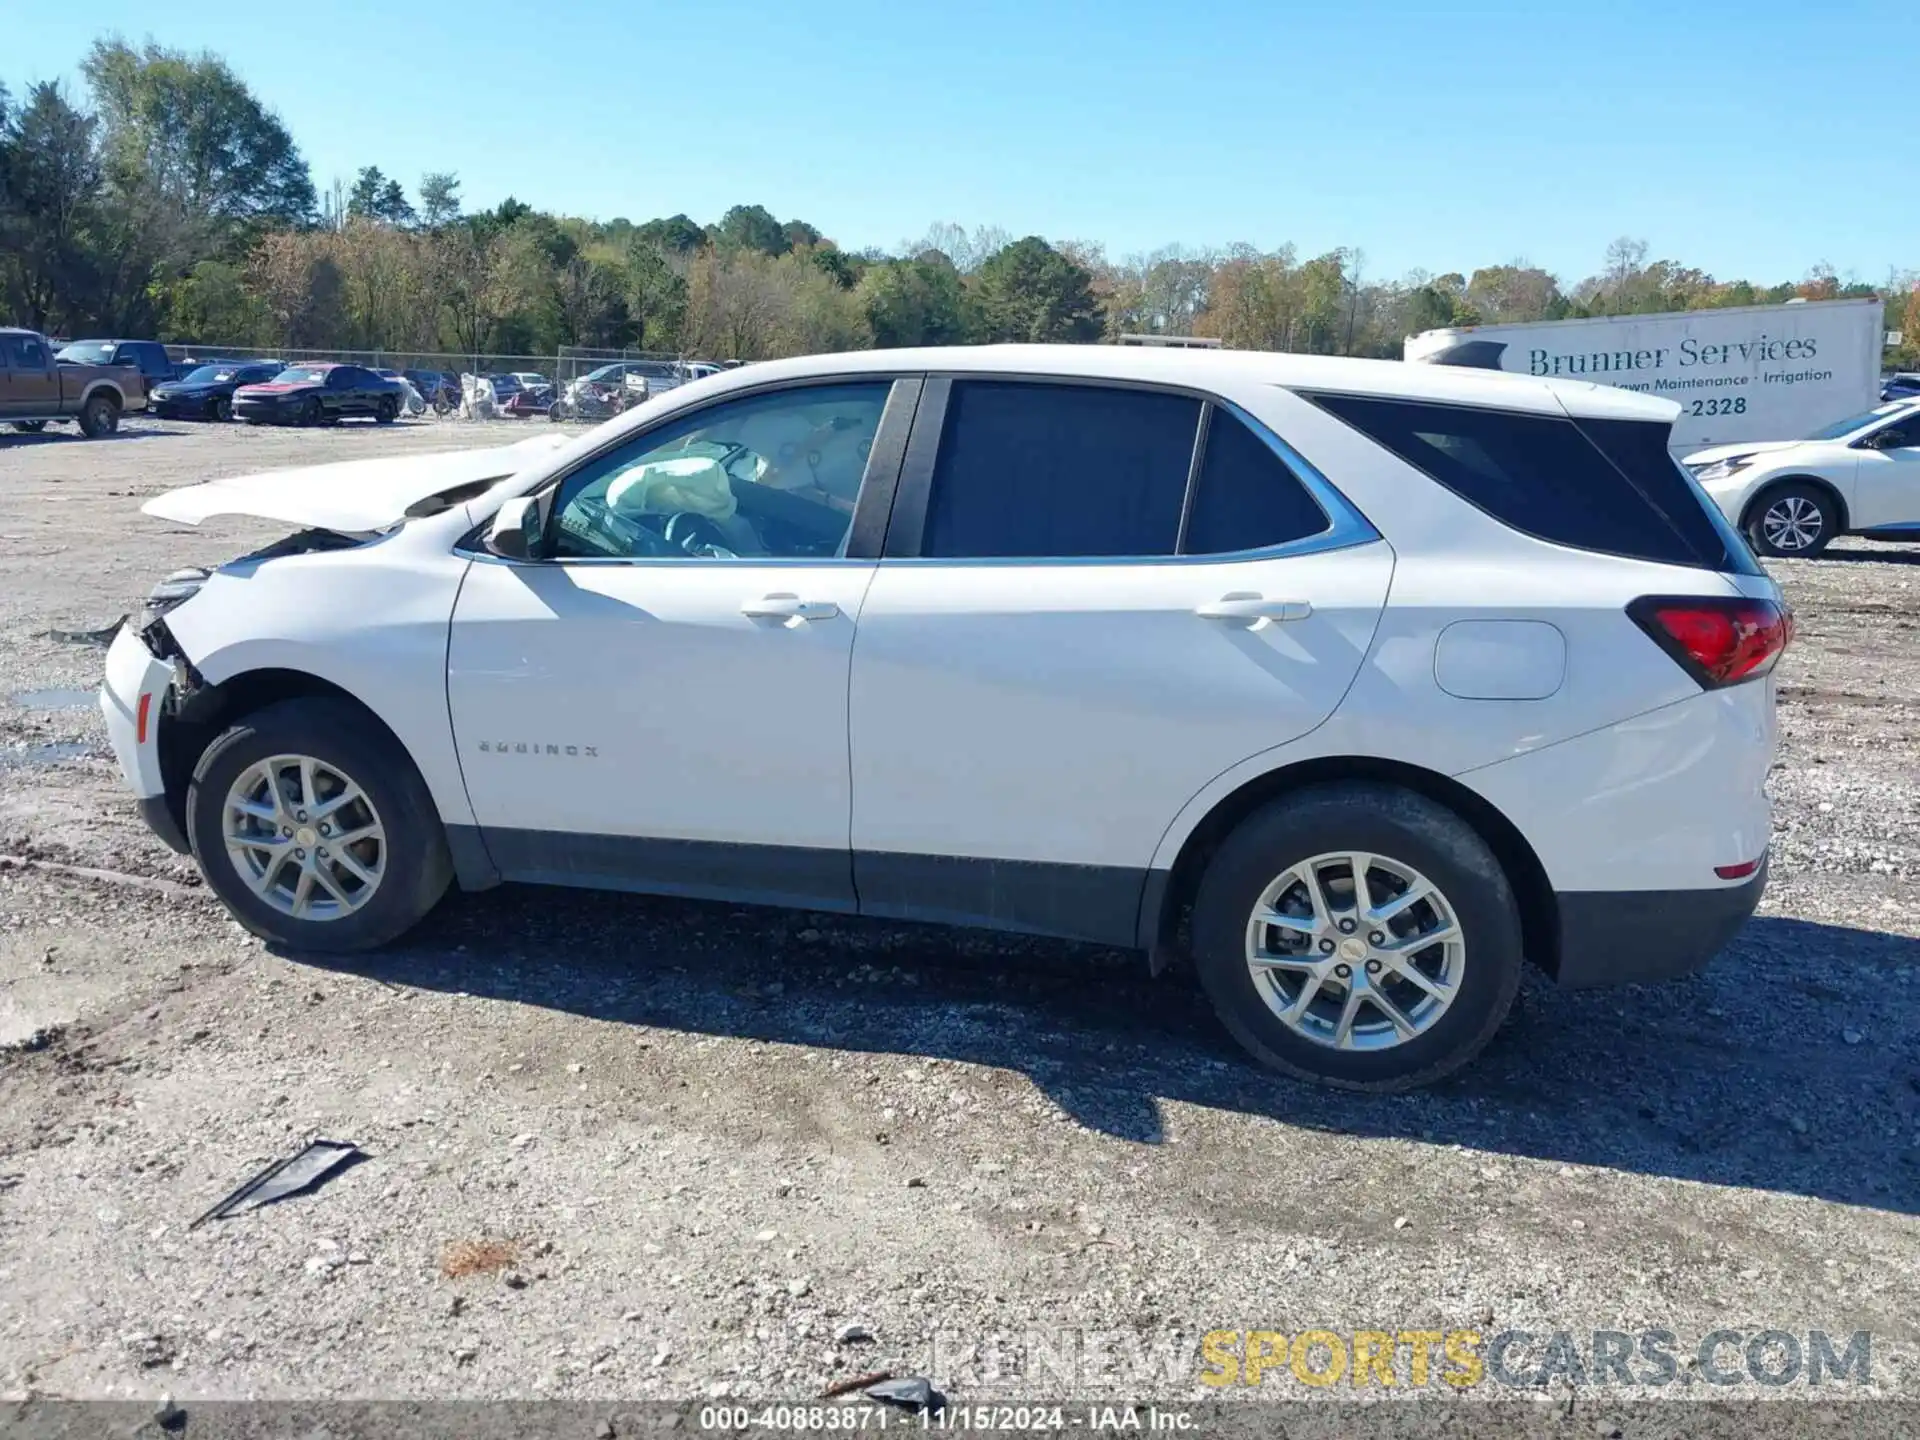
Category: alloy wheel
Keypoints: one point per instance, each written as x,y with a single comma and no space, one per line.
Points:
1355,951
1792,522
305,837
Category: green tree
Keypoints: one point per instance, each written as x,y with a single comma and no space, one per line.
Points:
1508,294
55,188
439,198
676,235
377,198
656,295
915,302
199,135
751,227
1030,291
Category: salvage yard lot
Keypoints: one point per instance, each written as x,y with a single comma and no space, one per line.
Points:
630,1147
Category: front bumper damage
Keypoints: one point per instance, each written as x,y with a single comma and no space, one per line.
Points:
138,688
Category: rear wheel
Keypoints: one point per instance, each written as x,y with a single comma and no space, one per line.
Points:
1359,935
99,416
315,829
1793,521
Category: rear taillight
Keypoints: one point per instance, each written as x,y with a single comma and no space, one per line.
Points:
1718,641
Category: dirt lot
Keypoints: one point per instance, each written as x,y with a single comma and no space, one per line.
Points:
708,1139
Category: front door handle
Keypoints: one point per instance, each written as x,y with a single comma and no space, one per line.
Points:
1250,609
788,607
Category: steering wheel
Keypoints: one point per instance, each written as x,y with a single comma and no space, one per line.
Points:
696,534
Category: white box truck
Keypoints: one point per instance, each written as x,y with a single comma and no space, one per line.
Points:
1751,372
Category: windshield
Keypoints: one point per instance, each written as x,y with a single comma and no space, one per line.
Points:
86,352
208,375
1840,429
300,375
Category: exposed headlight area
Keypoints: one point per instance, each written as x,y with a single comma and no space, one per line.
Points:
1721,469
170,593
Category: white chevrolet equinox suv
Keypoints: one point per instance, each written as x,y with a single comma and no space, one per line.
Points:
1359,683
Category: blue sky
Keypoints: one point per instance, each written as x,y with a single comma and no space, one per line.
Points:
1751,140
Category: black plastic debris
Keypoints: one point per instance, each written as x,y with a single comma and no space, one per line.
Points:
282,1178
98,639
912,1393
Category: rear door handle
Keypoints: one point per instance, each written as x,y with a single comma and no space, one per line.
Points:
1248,608
788,607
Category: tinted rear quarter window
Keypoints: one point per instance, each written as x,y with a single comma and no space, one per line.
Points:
1543,476
1029,469
1246,498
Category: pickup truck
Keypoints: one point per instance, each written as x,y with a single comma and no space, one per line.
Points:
37,390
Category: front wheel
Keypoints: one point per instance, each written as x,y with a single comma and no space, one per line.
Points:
316,830
221,409
386,411
1795,521
1359,935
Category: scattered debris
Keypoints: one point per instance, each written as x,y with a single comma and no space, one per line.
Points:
478,1257
169,1416
33,1040
100,639
283,1178
858,1382
1851,1036
149,1349
912,1393
853,1333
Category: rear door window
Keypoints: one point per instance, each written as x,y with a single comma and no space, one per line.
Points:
1246,498
1608,486
1040,470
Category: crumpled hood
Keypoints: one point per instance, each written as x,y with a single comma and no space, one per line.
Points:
1750,447
356,497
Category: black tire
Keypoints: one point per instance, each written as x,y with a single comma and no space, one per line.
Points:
1794,496
312,412
99,416
336,734
387,411
1398,826
29,427
221,409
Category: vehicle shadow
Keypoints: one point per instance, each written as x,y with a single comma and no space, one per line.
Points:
19,440
1882,554
1788,1065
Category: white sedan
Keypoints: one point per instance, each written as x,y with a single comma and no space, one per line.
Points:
1858,476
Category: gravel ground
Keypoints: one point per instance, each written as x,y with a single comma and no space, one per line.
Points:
678,1148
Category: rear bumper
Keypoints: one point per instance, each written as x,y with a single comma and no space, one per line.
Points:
1629,937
